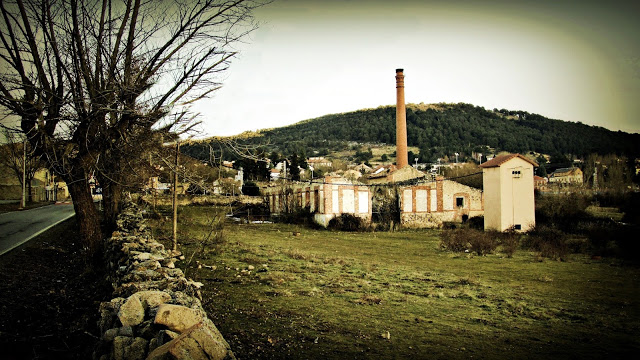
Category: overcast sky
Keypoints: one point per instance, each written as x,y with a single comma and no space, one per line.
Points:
568,60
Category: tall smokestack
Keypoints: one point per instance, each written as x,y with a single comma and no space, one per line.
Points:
402,157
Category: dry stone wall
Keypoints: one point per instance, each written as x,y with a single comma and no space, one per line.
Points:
157,313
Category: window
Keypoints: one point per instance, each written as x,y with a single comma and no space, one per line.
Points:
517,227
459,202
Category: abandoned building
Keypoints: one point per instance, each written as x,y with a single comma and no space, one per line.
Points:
325,199
508,193
430,204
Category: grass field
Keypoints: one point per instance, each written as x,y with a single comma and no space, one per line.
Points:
320,294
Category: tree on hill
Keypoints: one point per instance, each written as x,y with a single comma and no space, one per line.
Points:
442,129
294,167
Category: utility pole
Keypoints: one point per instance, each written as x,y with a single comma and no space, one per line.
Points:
23,203
175,199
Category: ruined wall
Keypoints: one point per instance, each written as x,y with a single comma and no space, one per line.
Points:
157,313
430,204
332,197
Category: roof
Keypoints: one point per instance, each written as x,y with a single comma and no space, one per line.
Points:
565,171
499,160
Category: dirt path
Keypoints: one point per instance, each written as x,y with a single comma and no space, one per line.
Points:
49,298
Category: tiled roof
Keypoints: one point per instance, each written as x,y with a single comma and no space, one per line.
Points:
499,160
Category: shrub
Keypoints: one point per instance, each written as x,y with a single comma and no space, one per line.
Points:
563,212
548,242
460,240
509,240
476,222
347,222
454,240
298,217
481,243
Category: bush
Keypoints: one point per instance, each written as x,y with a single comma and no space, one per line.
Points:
454,240
548,242
509,240
563,212
482,243
299,217
251,189
347,222
465,239
476,222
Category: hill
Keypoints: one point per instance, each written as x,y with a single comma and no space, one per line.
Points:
443,129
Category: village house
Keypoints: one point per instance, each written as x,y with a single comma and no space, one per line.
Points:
363,168
274,174
564,176
45,186
391,174
319,161
539,182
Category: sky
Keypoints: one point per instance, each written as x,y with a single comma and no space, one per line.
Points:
567,60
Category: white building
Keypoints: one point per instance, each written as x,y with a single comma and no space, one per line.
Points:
508,193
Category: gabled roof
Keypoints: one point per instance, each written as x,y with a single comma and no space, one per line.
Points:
499,160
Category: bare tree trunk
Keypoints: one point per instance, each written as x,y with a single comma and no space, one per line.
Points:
111,199
175,200
86,214
29,191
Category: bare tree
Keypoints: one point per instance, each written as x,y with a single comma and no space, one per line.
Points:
14,156
91,80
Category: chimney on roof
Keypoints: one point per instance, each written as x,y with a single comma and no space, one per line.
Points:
402,157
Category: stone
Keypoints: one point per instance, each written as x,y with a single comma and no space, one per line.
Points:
111,334
177,318
137,350
108,313
164,336
143,256
195,343
152,298
148,265
120,345
131,313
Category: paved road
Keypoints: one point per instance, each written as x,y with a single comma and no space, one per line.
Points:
18,227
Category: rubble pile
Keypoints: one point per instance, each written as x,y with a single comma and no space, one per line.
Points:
157,313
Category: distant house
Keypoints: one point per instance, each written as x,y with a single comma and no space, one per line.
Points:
570,175
319,161
275,174
385,174
539,182
508,193
362,168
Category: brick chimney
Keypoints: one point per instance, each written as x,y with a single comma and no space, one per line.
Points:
402,157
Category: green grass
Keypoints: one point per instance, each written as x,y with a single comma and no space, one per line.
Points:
338,295
612,213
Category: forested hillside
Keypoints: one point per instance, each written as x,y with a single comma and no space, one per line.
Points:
443,129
